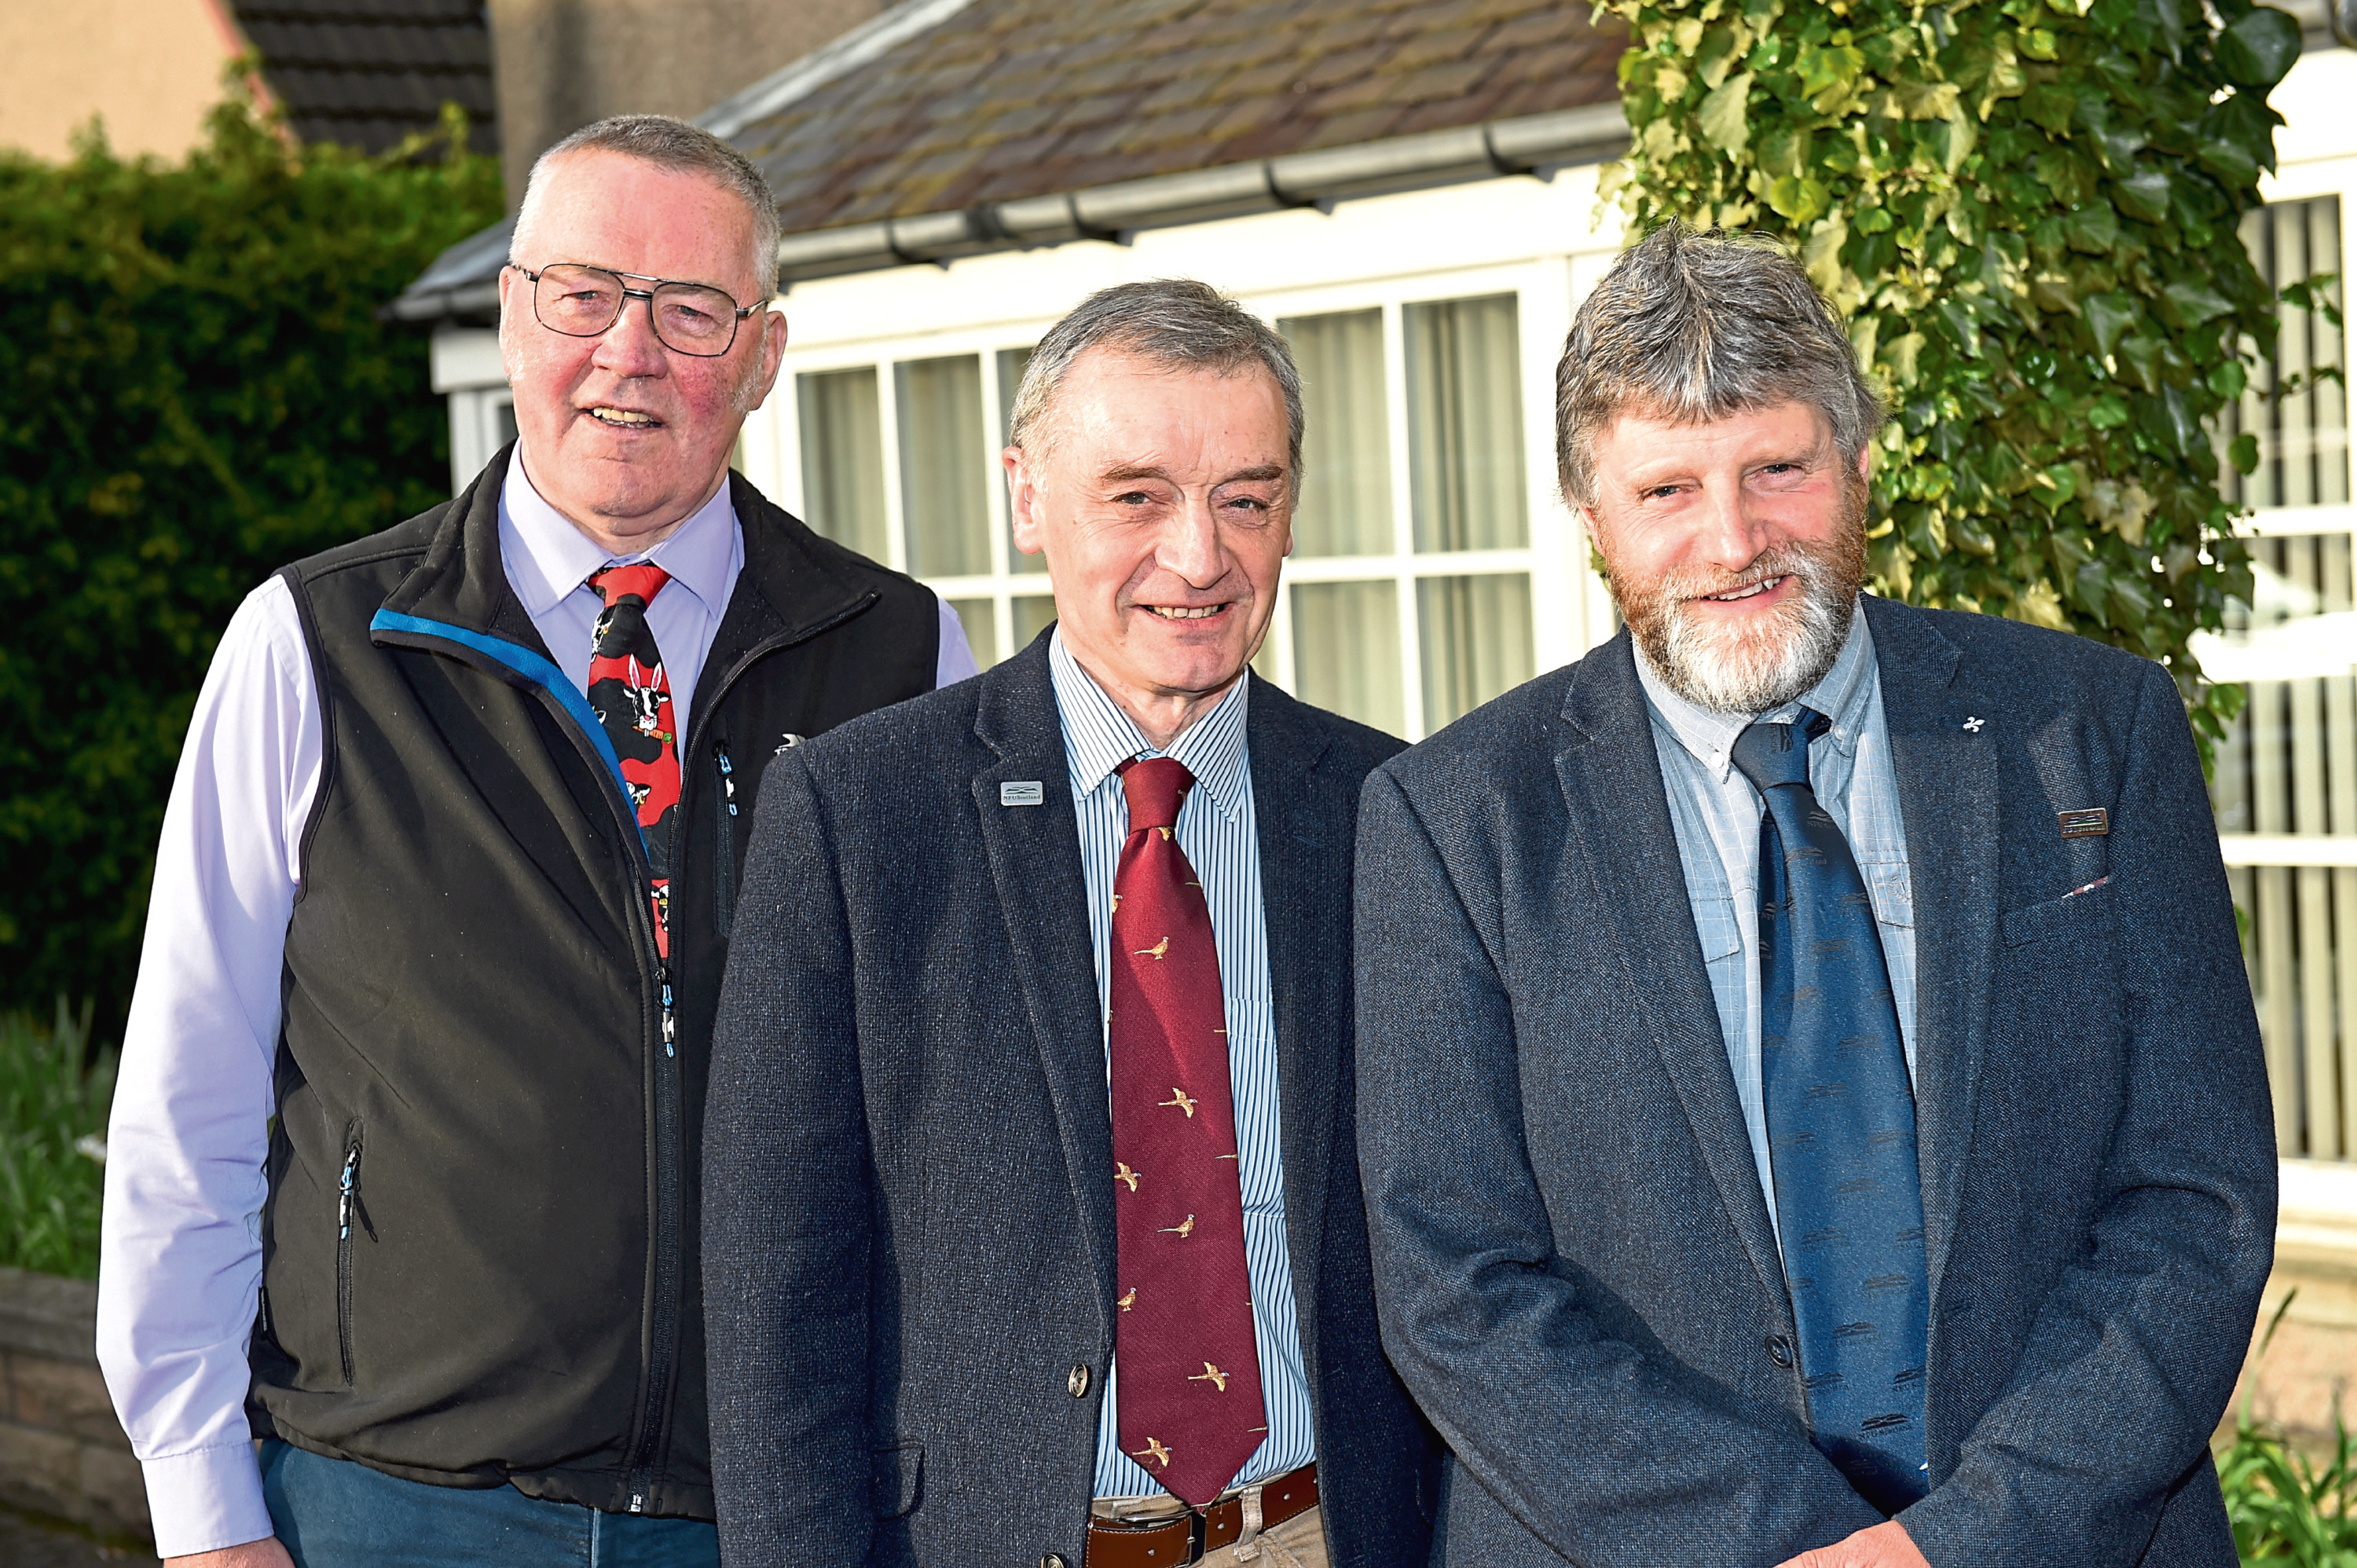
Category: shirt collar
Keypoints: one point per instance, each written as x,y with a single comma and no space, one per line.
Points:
547,557
1842,695
1100,738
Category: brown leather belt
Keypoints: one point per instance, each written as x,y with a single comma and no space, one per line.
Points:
1184,1538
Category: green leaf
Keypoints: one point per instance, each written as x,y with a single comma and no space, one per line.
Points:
2108,316
1802,201
2144,194
1725,119
2094,229
2139,359
2186,302
2108,414
2228,379
2257,50
2052,106
2243,453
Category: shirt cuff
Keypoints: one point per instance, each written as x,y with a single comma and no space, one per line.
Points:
206,1500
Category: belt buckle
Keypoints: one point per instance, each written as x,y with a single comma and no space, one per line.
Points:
1197,1524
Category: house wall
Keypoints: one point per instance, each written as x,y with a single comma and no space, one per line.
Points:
564,63
148,68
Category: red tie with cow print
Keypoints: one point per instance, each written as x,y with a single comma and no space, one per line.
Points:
632,698
1189,1386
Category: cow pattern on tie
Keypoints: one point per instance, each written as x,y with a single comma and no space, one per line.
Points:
1190,1409
631,695
1841,1130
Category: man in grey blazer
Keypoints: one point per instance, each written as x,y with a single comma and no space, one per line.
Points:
1810,1102
1033,1227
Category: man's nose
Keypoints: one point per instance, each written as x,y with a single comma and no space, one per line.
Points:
630,347
1730,536
1191,544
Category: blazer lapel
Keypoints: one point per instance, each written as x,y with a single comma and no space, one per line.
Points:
1619,818
1304,853
1035,862
1944,751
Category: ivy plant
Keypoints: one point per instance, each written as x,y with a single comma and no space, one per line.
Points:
2027,212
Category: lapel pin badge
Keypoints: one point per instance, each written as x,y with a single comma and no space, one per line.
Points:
787,742
2093,822
1022,793
1973,724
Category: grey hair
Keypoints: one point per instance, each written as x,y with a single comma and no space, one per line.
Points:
672,144
1177,323
1691,327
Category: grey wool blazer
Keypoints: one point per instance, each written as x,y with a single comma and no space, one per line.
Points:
908,1224
1573,1258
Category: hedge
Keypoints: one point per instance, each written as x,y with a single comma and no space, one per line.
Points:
194,390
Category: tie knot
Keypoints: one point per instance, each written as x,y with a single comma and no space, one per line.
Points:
1771,755
641,582
1156,785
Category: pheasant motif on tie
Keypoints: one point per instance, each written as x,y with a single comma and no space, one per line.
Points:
631,695
1190,1408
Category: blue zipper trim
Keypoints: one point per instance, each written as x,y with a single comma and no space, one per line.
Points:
539,671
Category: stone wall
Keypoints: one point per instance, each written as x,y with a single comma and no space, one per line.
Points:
62,1452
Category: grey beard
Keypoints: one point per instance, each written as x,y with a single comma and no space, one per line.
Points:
1750,675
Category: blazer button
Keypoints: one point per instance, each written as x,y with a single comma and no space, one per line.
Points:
1076,1382
1052,1561
1780,1349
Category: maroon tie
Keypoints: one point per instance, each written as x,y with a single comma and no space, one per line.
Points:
1189,1391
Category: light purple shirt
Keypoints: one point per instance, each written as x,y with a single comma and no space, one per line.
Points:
180,1251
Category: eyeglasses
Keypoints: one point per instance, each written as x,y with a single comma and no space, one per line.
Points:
584,302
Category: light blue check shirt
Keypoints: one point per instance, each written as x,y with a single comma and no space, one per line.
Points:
1716,812
1220,835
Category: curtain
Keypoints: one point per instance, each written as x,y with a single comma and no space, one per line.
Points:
2304,436
1346,651
1464,425
1346,471
943,502
842,459
980,619
1477,641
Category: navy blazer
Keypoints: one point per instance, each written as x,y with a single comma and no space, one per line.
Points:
908,1221
1573,1260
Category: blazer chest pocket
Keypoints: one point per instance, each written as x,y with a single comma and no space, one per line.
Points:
898,1477
2079,919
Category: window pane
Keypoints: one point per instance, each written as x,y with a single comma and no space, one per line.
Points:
981,629
1346,465
1346,653
1464,425
2304,436
1011,364
1032,614
503,424
842,459
942,475
1477,641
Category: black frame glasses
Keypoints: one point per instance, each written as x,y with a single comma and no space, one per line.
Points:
675,291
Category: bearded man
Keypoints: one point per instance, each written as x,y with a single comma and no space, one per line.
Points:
1810,1103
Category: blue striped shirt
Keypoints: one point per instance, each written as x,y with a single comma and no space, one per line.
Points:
1218,831
1715,812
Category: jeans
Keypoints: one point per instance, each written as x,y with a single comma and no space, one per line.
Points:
333,1513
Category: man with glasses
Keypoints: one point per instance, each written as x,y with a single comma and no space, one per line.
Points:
404,1171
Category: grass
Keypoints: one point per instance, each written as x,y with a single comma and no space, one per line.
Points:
52,1119
2289,1507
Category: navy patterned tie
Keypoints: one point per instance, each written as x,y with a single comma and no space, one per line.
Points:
1841,1131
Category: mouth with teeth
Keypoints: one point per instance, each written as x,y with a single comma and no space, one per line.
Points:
624,418
1184,612
1748,590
